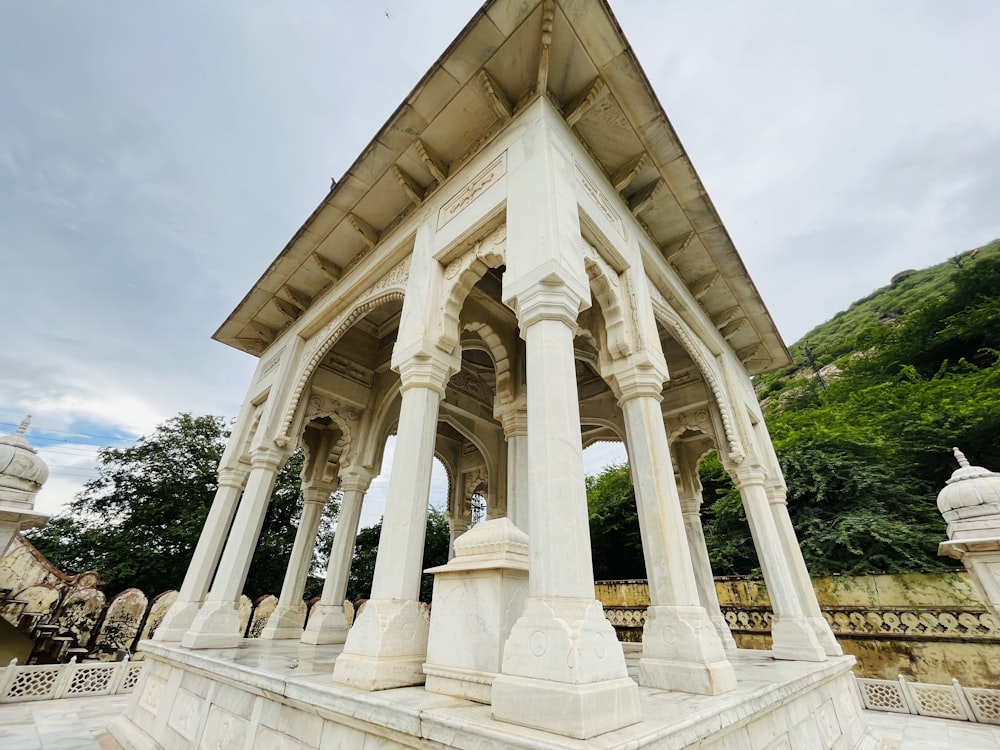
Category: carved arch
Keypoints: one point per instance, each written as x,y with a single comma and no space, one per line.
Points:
694,420
320,406
498,352
324,342
606,288
383,417
461,275
608,425
678,329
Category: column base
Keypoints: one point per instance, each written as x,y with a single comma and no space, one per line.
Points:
328,623
217,625
827,640
723,631
564,671
578,711
176,622
285,623
681,650
386,648
793,639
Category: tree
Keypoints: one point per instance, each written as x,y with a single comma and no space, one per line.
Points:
615,541
137,523
436,543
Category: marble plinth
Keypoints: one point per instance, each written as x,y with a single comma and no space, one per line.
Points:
279,694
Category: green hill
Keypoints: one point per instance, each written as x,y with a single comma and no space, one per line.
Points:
837,338
908,372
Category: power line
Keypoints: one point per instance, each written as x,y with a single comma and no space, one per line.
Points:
35,427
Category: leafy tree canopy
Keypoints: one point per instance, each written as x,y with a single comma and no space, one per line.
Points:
436,543
915,370
137,523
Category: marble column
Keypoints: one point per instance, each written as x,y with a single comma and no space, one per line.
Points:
217,624
776,494
563,668
328,620
702,565
681,649
207,552
792,634
515,431
387,645
288,618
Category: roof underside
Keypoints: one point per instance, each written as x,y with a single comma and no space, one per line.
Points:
495,66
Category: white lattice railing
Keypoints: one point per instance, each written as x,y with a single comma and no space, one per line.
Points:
39,682
924,699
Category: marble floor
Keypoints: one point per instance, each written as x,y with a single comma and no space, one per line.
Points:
79,723
67,724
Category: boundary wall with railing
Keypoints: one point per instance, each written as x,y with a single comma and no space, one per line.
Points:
953,701
36,682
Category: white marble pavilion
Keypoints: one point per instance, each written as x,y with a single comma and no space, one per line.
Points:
521,263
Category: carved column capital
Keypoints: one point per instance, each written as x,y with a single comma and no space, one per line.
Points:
356,480
639,376
428,371
233,477
547,301
514,419
264,457
749,475
691,504
317,493
777,493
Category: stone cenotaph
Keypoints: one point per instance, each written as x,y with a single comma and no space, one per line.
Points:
522,262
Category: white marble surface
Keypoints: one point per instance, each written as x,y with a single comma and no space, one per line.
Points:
85,719
270,685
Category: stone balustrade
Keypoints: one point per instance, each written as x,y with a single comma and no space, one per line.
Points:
72,680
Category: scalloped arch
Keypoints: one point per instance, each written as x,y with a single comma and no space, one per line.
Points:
501,358
461,275
327,338
678,330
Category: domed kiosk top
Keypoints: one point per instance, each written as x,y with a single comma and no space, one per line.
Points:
22,470
970,499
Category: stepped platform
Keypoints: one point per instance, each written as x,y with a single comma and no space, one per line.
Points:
280,692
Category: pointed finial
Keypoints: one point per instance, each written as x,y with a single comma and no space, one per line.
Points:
962,460
23,427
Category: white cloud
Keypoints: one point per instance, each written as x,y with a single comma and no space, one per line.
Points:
145,191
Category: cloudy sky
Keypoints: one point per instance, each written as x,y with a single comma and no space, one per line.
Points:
155,157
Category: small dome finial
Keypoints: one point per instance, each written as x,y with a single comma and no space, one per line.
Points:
23,427
960,457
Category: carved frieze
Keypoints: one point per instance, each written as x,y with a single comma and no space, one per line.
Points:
320,406
473,189
471,385
853,622
271,364
350,369
694,421
600,200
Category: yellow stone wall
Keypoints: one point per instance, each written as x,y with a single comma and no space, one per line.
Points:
936,656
